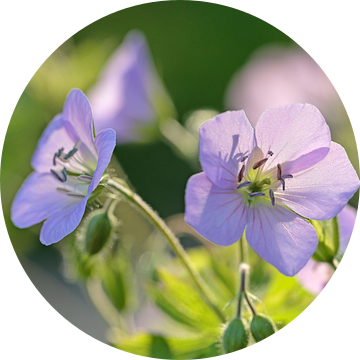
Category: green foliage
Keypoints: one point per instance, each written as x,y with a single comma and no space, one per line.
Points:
284,298
199,346
178,299
328,233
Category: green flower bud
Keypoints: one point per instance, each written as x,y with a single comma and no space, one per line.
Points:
329,239
235,336
98,229
261,327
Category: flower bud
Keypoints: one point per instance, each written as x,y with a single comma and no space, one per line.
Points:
261,327
329,239
98,231
235,336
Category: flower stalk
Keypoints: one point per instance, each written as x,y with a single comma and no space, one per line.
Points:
126,193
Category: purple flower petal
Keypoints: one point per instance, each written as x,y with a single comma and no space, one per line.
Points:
62,223
216,213
281,237
297,135
105,142
346,220
37,199
123,97
314,276
321,192
77,112
224,140
52,139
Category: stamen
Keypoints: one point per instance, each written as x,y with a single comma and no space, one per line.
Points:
241,173
278,171
257,194
56,175
283,183
272,197
85,178
245,183
70,153
270,153
57,155
64,174
62,190
287,176
259,163
75,195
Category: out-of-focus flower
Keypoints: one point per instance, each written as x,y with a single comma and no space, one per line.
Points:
315,275
129,95
267,181
276,75
69,164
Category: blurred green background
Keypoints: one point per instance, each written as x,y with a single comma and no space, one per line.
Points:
197,47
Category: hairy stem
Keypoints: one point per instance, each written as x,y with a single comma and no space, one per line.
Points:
126,193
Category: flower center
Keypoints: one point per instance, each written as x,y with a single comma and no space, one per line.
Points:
74,176
257,186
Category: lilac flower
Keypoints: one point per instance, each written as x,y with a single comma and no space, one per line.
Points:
276,75
69,164
267,181
124,98
315,275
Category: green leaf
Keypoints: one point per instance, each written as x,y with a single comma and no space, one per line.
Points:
182,302
200,346
284,298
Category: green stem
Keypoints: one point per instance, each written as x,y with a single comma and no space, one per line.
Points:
243,258
151,215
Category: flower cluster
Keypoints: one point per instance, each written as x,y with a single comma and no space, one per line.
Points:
268,182
69,164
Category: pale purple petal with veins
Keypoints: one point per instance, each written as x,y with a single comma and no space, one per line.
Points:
297,135
105,142
321,192
62,223
54,137
281,237
218,214
37,199
223,141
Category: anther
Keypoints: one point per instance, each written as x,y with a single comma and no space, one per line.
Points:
57,155
245,183
259,163
241,173
75,195
241,156
62,190
70,153
272,197
56,175
85,178
254,194
279,171
64,174
283,183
